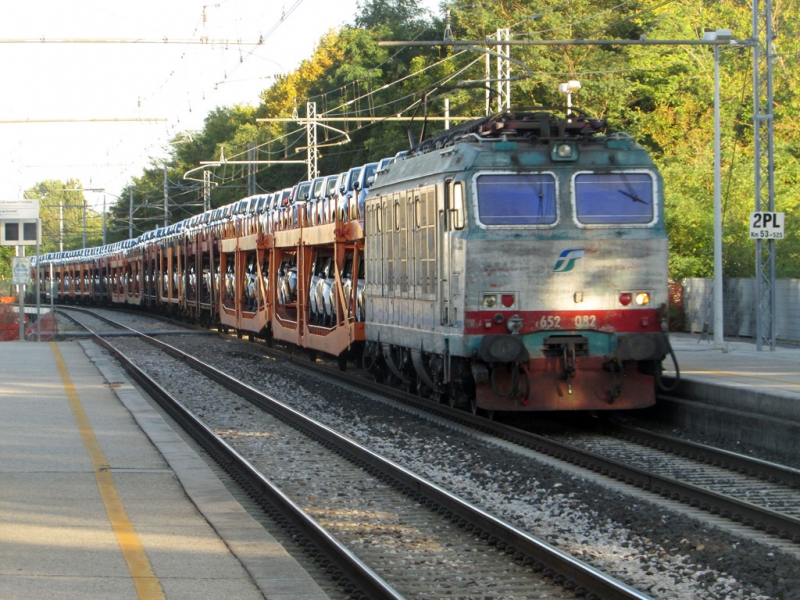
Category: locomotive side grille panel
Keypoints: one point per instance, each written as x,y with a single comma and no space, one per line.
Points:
423,233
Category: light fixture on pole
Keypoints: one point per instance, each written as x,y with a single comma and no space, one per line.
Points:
104,192
720,35
568,88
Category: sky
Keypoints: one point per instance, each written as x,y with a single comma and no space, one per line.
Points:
101,112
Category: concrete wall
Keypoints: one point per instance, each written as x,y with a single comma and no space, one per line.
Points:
754,417
740,305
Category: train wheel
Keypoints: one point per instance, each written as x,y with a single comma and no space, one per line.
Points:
423,391
480,412
456,398
312,355
341,361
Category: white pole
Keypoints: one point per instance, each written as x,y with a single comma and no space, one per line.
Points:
37,284
61,225
166,197
718,288
21,292
52,291
130,216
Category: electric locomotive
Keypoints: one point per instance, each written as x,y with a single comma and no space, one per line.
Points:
519,264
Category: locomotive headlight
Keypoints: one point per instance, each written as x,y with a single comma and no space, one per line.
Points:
564,151
642,298
515,324
489,301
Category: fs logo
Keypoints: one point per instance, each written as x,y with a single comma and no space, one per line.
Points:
566,260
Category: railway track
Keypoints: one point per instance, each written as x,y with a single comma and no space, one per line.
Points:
756,493
767,494
552,528
388,532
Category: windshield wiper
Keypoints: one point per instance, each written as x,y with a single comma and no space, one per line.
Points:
632,196
530,179
631,193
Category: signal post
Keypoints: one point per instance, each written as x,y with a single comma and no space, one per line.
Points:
20,226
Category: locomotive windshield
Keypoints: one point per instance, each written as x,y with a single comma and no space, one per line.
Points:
516,198
614,198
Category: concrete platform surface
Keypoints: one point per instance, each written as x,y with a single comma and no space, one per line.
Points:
113,504
737,364
99,497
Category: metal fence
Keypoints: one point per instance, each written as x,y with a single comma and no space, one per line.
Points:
740,304
9,324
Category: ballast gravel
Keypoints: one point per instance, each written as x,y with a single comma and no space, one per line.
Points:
661,552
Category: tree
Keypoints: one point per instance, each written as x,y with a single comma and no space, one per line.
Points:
661,95
66,216
404,18
6,254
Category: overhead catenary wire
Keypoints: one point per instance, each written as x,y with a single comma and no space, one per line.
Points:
331,112
370,93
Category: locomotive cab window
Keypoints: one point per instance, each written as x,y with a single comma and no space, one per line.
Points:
617,198
516,199
457,209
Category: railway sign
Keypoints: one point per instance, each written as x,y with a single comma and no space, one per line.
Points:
766,225
19,223
22,232
19,209
20,270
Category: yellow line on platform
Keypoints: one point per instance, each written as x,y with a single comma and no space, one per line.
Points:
147,585
739,374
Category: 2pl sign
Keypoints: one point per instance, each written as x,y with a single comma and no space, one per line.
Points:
766,225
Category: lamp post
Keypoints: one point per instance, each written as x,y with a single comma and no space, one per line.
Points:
720,35
104,192
61,216
568,88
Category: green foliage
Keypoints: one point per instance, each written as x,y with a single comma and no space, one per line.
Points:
67,218
660,94
6,254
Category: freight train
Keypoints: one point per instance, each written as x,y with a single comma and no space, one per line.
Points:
514,263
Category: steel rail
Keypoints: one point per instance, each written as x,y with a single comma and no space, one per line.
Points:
349,566
760,518
564,569
748,465
775,523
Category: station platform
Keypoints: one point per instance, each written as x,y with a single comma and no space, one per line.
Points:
100,498
737,364
747,397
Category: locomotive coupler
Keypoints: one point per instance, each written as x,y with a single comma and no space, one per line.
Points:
569,347
569,365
